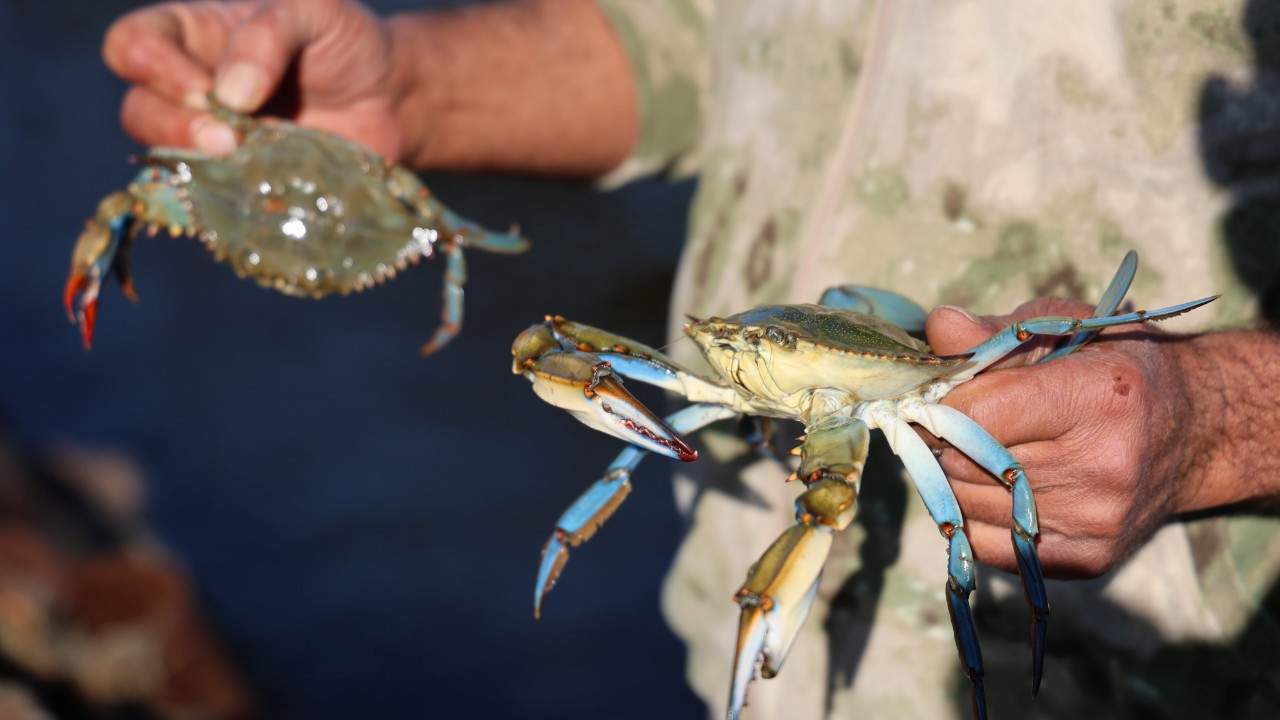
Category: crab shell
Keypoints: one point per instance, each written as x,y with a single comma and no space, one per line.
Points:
304,212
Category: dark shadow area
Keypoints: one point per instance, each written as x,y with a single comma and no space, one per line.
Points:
1234,681
361,525
882,509
1240,143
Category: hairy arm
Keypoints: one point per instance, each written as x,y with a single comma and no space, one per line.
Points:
1136,428
1232,379
539,86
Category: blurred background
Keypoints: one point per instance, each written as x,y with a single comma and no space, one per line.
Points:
356,527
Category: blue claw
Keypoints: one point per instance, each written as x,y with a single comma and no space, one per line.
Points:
960,584
1032,579
891,306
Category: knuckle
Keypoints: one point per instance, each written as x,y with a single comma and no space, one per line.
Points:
1093,562
119,42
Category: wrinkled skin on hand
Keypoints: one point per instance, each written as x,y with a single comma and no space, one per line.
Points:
1106,436
174,54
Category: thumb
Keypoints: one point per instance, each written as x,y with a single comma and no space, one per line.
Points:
259,52
952,330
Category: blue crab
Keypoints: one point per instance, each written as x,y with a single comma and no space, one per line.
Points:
842,368
298,210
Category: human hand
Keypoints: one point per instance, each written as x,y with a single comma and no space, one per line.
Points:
1103,435
246,52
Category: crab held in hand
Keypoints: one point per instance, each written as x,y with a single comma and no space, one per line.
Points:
842,368
302,211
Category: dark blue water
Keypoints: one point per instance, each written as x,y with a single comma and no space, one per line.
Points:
362,524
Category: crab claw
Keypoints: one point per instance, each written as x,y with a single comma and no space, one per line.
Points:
81,301
775,601
587,387
97,253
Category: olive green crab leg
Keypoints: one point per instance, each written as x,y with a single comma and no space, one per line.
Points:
780,587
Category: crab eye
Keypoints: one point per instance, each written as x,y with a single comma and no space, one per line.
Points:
778,336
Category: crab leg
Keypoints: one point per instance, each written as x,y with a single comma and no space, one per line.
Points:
941,503
460,232
891,306
455,276
780,587
594,506
1110,301
440,225
1004,341
969,437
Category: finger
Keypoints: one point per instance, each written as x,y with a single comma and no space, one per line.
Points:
991,544
951,330
1020,405
260,50
1062,556
987,503
161,48
1080,502
154,120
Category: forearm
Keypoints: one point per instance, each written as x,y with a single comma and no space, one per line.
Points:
1232,381
540,86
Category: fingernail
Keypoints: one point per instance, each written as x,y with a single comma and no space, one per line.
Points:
967,315
211,136
241,86
196,100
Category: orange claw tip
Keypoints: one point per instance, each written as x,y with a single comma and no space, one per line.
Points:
88,315
75,284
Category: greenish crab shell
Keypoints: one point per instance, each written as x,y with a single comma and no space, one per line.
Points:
304,212
776,355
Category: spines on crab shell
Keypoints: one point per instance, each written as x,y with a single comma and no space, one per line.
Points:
317,282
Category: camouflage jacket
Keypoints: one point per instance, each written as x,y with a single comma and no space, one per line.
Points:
977,154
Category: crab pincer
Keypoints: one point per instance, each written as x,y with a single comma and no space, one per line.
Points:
96,254
586,385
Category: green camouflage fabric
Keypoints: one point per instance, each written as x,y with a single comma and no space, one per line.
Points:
977,154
